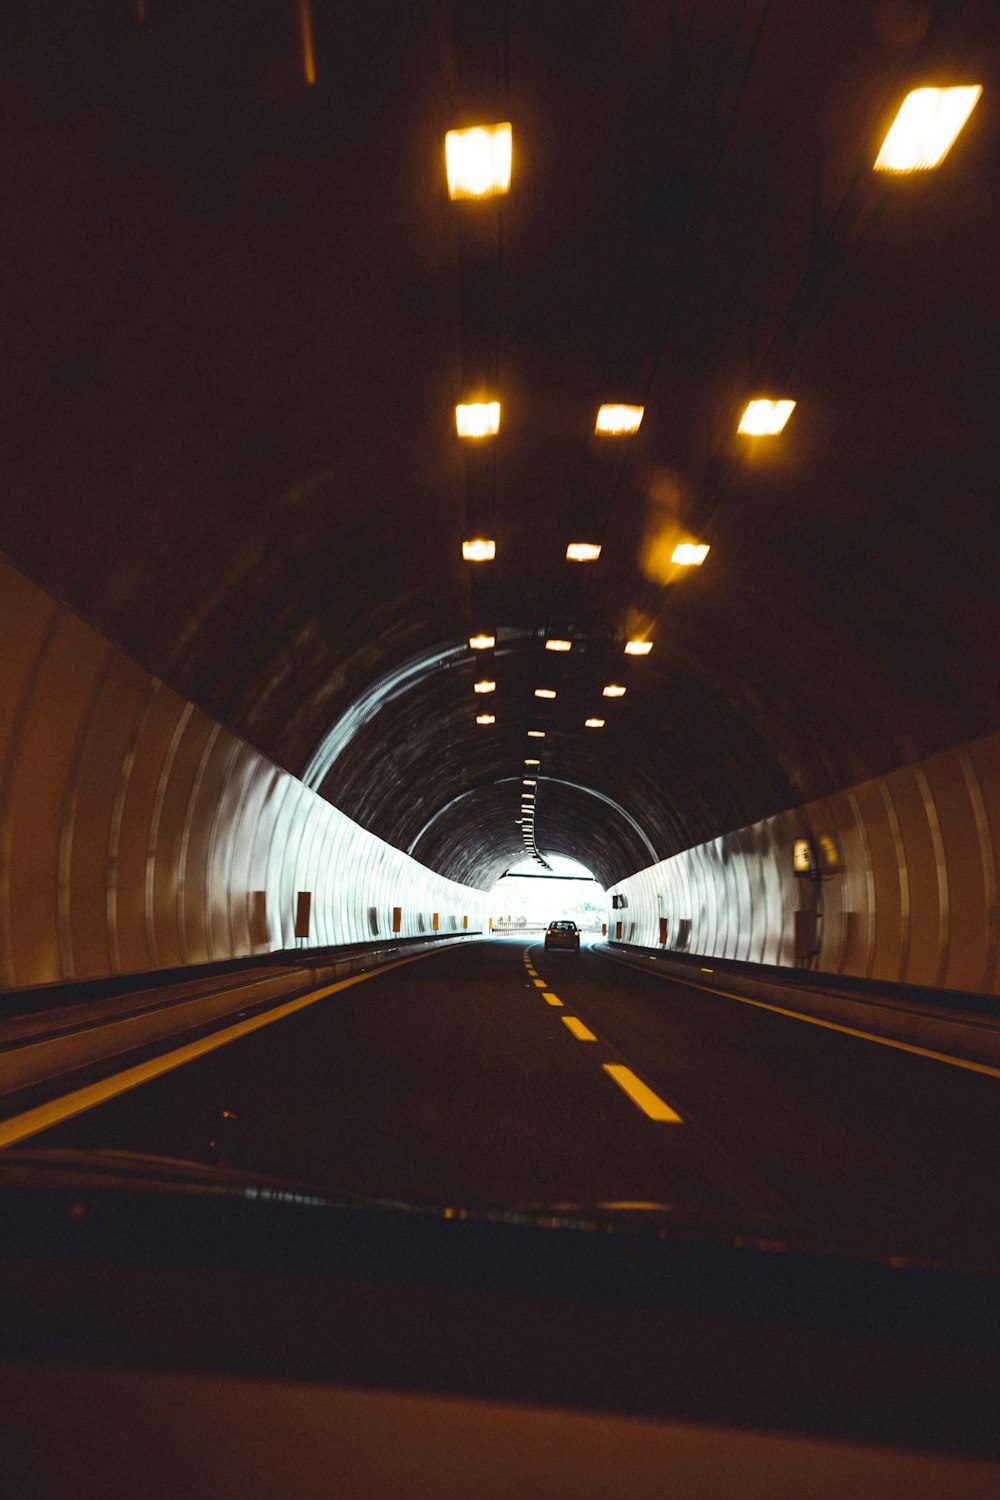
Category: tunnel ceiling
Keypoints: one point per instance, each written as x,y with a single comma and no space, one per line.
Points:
238,309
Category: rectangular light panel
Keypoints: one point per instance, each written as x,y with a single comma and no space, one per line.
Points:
536,734
583,552
690,554
480,549
482,642
484,687
486,719
545,692
925,128
478,160
593,723
638,648
614,691
765,418
478,419
554,645
617,420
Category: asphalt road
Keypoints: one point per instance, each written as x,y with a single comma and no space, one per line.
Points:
458,1079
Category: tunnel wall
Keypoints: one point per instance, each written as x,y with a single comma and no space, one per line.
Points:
136,833
907,890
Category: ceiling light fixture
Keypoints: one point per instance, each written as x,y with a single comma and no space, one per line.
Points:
618,420
532,762
486,718
479,549
638,648
484,687
613,690
554,645
545,692
478,160
593,723
583,552
536,734
764,417
482,642
926,127
478,419
690,554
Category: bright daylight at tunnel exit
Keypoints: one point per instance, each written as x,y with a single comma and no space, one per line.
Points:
499,747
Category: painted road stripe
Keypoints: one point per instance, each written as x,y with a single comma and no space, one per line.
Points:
551,999
864,1036
540,983
20,1127
650,1104
581,1032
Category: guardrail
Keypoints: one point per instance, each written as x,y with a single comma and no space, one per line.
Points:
99,1024
948,1022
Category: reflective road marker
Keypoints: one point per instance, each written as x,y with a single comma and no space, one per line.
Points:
581,1032
650,1104
551,999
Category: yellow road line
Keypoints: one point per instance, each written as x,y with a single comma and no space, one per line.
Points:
651,1104
533,973
581,1032
539,982
551,999
20,1127
864,1036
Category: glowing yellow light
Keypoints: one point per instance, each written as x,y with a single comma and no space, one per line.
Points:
536,734
525,781
486,718
690,554
479,550
925,128
478,419
558,645
616,420
764,418
583,552
614,691
484,687
482,642
478,160
532,762
306,36
593,723
545,692
638,648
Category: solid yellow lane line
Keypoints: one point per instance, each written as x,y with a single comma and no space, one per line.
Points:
581,1032
551,999
651,1104
864,1036
20,1127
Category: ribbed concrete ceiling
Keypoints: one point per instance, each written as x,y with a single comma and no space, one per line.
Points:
237,312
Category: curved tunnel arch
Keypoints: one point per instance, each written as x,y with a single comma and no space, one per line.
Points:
228,441
602,797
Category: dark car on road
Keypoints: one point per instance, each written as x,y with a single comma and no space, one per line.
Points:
563,935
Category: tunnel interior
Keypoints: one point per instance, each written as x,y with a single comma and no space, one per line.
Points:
240,309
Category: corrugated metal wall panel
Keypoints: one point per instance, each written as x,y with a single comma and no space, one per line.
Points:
137,834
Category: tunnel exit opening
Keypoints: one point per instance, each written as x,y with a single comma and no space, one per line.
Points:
525,900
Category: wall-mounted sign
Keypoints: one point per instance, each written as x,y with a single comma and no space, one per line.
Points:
802,857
